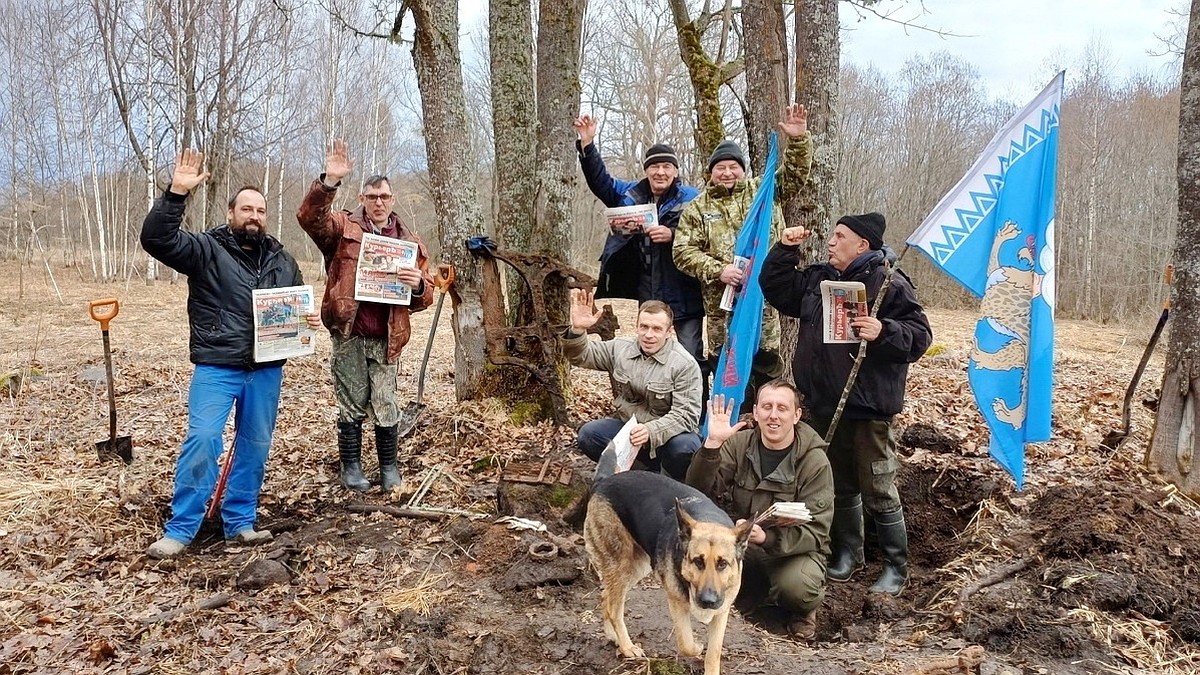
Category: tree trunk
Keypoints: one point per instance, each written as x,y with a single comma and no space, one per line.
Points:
1172,450
514,123
766,74
817,70
706,75
560,30
817,78
456,202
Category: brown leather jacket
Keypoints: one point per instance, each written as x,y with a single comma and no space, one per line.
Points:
339,236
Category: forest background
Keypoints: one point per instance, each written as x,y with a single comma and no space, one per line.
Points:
96,105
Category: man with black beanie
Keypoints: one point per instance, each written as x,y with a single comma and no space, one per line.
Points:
639,266
862,450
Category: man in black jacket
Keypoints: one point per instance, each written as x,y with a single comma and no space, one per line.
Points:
638,266
862,450
223,265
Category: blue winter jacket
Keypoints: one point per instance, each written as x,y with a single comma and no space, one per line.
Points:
624,262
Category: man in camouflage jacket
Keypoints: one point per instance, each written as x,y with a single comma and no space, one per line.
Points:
709,227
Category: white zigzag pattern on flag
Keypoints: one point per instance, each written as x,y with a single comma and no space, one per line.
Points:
984,202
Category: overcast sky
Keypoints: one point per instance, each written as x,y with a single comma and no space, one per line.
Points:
1017,45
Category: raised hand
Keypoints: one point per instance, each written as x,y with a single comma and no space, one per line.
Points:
584,314
720,411
188,172
792,236
338,164
585,126
795,120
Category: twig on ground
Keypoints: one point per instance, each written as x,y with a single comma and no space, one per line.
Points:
990,580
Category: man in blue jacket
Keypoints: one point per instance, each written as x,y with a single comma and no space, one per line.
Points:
223,266
639,266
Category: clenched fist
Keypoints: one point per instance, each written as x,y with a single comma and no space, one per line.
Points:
792,236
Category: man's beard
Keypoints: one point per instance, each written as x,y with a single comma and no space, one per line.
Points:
245,237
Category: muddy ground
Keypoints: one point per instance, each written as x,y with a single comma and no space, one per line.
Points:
1091,569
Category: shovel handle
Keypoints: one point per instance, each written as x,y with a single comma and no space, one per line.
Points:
1168,279
104,310
444,277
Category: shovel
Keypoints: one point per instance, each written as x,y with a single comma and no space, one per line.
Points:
412,411
115,446
1116,437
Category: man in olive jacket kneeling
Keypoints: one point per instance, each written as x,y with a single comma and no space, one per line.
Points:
745,470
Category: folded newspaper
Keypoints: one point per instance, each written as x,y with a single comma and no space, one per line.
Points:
380,259
731,292
783,514
631,219
620,452
841,302
280,328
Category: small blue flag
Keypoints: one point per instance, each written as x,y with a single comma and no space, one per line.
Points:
745,327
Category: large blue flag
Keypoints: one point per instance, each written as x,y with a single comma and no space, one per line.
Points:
745,327
994,234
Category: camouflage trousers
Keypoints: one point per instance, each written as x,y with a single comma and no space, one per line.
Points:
363,381
862,454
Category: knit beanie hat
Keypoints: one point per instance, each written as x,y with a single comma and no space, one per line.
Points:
660,152
727,150
869,226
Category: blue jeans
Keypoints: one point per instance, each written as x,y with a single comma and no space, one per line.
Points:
253,395
673,457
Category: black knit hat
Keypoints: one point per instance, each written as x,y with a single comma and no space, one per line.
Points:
660,152
869,226
727,150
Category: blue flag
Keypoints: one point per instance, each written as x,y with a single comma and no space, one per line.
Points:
745,327
994,234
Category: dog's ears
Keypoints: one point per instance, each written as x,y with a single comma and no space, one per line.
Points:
686,521
742,533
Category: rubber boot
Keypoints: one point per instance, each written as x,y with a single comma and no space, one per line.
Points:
350,453
385,445
846,538
893,543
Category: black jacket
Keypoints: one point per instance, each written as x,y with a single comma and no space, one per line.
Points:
623,269
821,369
221,276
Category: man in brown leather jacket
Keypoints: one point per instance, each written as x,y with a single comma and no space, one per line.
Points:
746,470
367,336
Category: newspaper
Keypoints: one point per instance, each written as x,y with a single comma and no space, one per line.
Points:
280,329
379,260
631,219
620,452
784,514
731,292
842,301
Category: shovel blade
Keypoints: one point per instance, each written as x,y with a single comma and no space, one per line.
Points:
408,418
120,447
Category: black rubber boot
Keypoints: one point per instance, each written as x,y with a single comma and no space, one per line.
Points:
893,543
846,538
350,453
385,445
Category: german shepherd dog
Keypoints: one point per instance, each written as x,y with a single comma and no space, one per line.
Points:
638,521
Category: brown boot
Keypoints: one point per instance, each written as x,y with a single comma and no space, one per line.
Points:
803,626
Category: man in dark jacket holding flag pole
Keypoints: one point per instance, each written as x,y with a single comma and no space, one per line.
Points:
862,450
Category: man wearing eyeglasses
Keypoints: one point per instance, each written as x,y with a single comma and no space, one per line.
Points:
367,336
